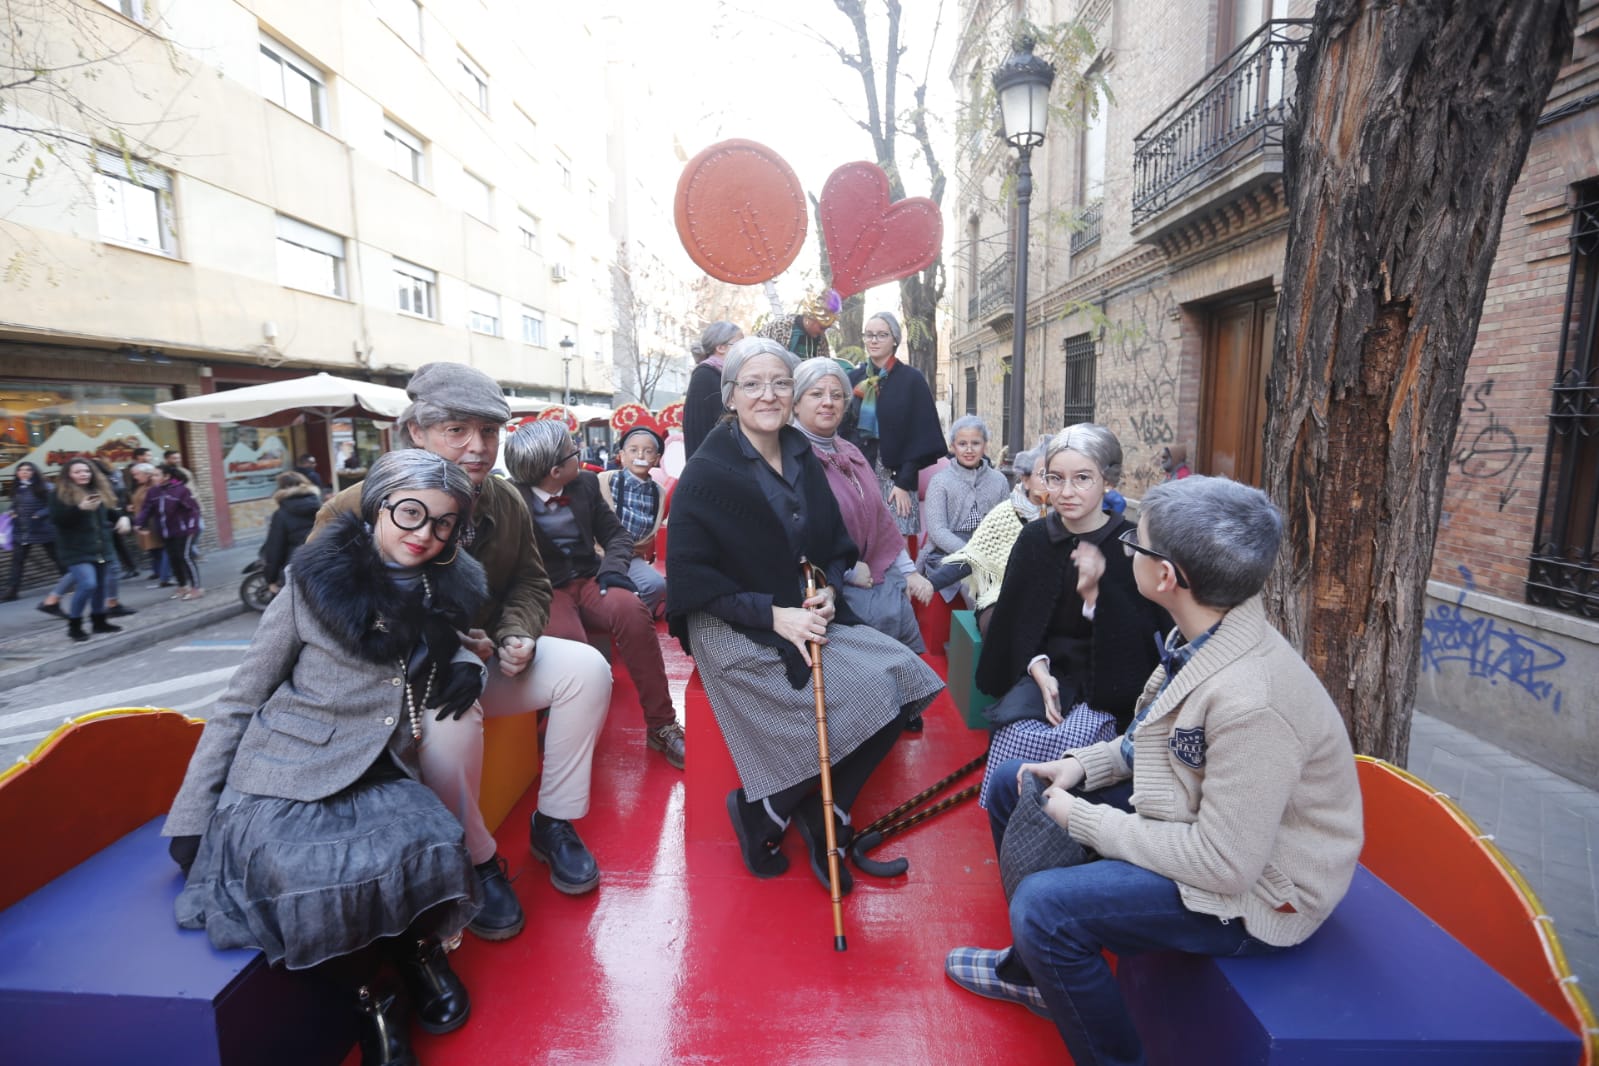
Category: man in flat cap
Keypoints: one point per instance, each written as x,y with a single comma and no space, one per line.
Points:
458,413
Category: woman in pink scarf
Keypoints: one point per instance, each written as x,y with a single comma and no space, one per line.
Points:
881,586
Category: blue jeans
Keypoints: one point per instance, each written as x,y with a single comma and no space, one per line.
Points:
650,584
91,582
1061,920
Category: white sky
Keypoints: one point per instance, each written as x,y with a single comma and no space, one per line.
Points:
759,70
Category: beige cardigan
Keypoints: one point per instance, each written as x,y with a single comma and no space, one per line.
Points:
1243,782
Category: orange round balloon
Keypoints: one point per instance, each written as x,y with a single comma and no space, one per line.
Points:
741,212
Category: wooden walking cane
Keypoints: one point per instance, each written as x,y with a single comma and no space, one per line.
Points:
827,774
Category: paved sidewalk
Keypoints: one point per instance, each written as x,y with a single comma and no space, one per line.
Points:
1546,824
34,645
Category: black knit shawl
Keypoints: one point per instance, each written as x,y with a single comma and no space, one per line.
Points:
909,436
1040,581
724,539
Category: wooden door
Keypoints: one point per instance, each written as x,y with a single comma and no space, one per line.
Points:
1232,414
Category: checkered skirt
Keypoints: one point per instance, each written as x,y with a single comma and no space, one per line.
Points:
770,727
1037,741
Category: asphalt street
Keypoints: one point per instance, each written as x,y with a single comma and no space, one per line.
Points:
185,673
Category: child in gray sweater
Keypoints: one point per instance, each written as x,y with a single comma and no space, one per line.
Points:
1248,822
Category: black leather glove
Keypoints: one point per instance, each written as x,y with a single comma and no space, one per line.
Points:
183,850
610,579
463,684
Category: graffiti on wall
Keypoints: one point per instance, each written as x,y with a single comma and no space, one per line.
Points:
1140,390
1488,450
1490,649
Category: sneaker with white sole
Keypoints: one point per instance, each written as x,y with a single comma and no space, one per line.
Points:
977,970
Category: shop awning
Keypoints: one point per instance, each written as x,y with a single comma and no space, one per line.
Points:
320,395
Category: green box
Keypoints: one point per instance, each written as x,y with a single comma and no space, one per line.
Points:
965,645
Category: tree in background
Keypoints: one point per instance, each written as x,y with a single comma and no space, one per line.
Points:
60,104
1410,128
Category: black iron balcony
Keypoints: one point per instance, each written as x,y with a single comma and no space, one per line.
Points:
996,287
1088,220
1231,116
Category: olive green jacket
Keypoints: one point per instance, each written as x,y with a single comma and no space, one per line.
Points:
519,589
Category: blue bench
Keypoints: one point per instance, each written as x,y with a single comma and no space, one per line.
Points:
93,968
1380,984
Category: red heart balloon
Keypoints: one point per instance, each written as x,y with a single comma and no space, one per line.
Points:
869,240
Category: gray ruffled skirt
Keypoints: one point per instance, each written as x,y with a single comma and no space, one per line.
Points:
309,881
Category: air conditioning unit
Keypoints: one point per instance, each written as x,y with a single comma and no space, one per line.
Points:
558,272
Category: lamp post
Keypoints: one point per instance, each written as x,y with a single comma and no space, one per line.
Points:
567,355
1022,82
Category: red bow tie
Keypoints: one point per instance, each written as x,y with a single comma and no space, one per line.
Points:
558,501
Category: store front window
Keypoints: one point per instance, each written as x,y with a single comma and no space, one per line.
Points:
47,423
356,443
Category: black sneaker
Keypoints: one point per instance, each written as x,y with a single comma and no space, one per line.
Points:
119,611
501,917
809,820
554,842
51,608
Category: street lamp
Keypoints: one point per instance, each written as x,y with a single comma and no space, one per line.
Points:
1022,82
567,355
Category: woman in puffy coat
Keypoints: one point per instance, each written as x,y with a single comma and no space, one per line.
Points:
298,501
30,517
171,510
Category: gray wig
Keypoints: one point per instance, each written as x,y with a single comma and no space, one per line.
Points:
535,449
713,337
1025,461
812,372
743,352
1223,535
1098,444
413,468
892,323
968,422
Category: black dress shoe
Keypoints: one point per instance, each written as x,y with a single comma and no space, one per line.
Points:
814,833
760,839
915,725
501,917
383,1038
51,608
437,995
119,611
555,842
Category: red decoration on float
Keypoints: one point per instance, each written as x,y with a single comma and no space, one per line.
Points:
741,212
870,240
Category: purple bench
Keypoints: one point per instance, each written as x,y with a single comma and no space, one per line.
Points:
93,968
1380,984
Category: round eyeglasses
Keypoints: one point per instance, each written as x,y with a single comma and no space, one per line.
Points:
410,515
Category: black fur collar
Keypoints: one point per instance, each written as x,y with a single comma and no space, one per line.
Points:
346,586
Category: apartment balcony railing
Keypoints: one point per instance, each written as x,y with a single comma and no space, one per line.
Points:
1231,116
996,287
1087,233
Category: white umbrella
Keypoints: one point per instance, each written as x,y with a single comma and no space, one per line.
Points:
320,395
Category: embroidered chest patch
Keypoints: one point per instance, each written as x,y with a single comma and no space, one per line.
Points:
1189,746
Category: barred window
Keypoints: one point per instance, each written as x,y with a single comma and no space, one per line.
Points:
1564,570
1079,379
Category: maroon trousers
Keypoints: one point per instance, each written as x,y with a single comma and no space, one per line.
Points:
579,605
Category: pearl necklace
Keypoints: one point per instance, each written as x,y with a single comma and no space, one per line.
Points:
427,690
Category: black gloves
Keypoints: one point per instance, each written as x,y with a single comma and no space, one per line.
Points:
462,685
610,579
183,850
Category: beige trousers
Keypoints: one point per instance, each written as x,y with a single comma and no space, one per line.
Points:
574,681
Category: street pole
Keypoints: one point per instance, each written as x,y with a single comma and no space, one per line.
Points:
1018,357
567,344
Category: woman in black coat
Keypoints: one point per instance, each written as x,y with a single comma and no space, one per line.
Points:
30,522
702,403
298,502
1071,641
896,421
753,504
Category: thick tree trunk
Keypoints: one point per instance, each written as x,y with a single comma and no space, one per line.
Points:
1410,128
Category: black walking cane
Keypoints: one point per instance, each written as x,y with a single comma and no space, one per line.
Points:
886,826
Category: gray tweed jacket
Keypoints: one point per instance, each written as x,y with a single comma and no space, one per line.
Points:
321,692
